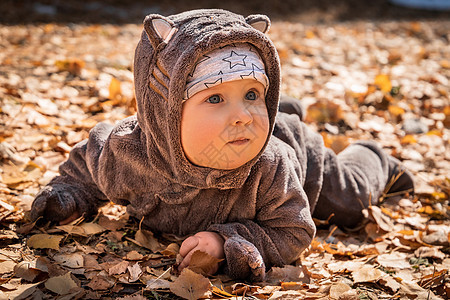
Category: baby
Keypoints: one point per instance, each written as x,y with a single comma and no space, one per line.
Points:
209,157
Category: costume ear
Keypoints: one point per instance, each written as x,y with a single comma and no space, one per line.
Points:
159,29
259,22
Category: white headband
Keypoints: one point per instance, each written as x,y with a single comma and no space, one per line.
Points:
232,62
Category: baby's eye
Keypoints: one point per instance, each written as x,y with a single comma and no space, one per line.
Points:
214,99
251,95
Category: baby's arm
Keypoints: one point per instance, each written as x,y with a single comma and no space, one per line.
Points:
206,241
74,192
280,231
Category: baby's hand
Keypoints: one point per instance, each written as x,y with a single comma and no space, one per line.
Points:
206,241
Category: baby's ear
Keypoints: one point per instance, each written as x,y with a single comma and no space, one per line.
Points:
159,29
259,22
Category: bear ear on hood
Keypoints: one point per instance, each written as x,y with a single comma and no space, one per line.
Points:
259,22
159,29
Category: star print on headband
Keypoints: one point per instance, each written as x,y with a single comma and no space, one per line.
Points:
228,63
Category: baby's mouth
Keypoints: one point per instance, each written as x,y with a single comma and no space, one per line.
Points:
239,141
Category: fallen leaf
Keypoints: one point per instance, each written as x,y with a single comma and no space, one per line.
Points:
72,260
366,274
118,268
190,285
145,238
395,260
91,228
157,284
44,241
337,289
26,270
61,284
100,282
7,267
285,274
383,82
134,255
135,272
22,292
203,263
429,252
172,250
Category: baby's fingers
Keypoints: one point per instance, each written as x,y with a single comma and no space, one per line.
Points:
188,244
186,260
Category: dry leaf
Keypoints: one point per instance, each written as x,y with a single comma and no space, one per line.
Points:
92,228
135,272
61,284
26,270
286,273
145,238
190,285
203,263
72,260
396,260
119,268
383,82
366,274
100,282
7,267
429,252
44,241
115,91
157,284
171,250
71,229
22,292
336,290
134,255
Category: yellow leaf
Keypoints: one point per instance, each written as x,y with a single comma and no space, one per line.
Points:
309,34
45,241
408,139
60,284
71,65
383,82
445,64
203,263
220,292
190,285
396,110
115,91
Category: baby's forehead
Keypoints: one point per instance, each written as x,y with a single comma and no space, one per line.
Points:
226,64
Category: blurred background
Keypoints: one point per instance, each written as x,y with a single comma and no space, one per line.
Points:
306,11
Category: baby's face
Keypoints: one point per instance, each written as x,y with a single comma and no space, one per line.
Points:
225,126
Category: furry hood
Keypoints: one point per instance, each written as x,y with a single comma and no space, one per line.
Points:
165,55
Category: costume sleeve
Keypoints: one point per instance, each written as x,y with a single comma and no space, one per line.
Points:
75,189
281,230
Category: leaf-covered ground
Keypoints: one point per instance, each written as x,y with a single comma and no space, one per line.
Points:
384,80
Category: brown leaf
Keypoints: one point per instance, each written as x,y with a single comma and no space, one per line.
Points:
119,268
91,228
26,270
44,241
190,285
382,220
171,250
135,272
7,267
203,263
100,282
337,289
61,284
366,274
72,260
134,255
145,238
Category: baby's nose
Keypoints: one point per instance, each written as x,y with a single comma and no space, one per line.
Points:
242,115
